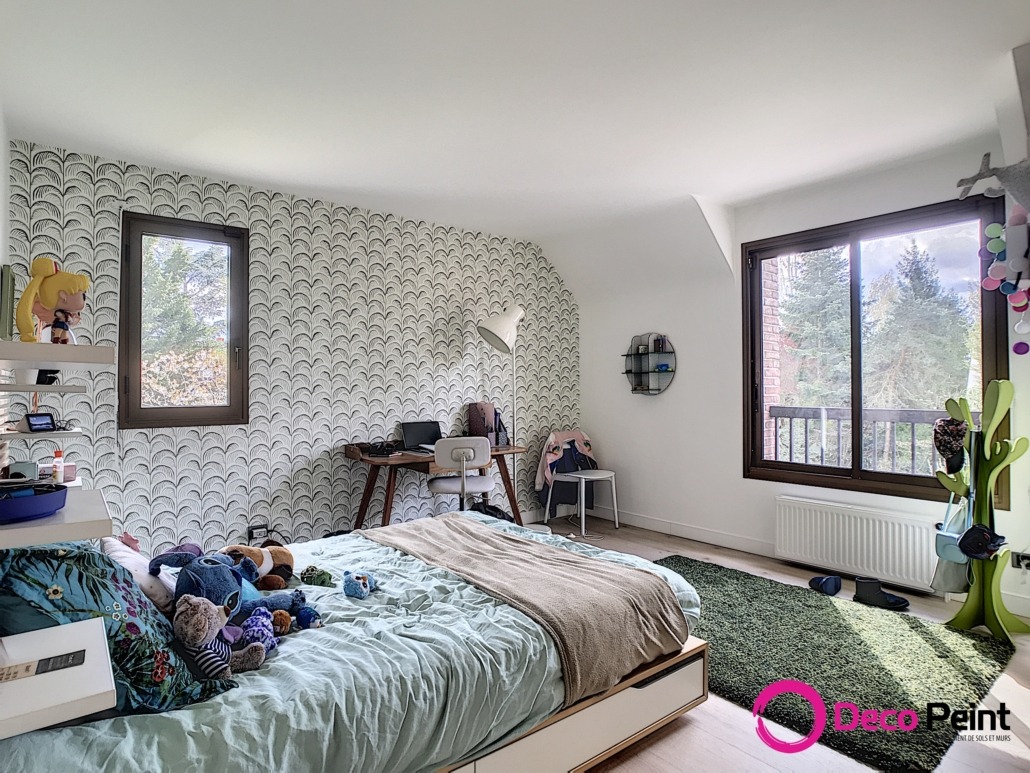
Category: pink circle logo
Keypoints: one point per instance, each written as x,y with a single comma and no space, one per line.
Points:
807,692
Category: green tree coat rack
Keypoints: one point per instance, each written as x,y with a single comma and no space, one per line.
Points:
988,457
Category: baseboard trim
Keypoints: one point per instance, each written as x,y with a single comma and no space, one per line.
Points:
1017,603
698,533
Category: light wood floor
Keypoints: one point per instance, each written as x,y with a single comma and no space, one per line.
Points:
719,735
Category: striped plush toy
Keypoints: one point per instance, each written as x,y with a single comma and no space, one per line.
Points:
198,625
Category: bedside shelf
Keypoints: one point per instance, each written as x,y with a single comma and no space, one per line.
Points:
37,701
16,354
83,517
59,389
4,436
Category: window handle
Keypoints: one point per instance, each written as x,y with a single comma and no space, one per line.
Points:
236,350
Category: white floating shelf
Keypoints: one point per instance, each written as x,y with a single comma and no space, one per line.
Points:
16,354
57,696
38,435
84,516
55,388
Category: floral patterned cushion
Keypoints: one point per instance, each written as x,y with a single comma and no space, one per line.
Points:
68,582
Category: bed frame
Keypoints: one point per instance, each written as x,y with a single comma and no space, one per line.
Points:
581,736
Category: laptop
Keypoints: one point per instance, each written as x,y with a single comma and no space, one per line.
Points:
420,436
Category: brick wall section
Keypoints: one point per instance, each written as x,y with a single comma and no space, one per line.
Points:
770,351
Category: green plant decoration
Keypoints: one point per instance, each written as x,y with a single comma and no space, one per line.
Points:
984,605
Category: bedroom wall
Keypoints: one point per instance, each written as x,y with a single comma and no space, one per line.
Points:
679,455
359,320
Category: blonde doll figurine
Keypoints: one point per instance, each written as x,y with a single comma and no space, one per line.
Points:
49,289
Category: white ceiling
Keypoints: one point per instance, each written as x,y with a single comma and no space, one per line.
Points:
521,118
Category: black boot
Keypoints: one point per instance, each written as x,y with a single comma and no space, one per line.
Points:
868,591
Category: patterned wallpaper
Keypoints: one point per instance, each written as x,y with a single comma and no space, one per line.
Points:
359,320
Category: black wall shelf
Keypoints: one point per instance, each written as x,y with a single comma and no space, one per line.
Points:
650,364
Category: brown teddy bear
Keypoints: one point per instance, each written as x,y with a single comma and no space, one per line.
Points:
274,562
198,625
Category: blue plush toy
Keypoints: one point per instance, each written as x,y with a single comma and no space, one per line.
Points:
291,602
358,585
258,628
213,577
307,617
216,578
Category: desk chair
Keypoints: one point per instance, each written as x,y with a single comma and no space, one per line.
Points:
462,453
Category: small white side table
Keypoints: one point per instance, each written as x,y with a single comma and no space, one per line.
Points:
582,477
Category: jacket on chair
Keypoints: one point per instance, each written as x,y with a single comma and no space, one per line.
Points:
564,452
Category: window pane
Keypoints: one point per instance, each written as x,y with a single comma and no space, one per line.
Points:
920,340
806,357
184,332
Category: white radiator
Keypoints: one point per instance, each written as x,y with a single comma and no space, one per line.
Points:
894,547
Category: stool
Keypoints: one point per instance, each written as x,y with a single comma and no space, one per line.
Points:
582,477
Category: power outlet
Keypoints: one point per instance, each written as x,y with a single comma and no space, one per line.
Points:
260,531
1021,560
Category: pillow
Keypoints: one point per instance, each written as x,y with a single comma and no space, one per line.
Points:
18,617
160,589
69,581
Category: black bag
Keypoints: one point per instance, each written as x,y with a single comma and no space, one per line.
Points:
980,542
491,510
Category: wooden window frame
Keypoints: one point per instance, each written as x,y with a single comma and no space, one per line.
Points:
130,413
994,345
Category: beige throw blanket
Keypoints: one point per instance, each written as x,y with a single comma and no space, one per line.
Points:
606,619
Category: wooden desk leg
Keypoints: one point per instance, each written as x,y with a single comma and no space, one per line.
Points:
502,467
391,484
366,496
485,471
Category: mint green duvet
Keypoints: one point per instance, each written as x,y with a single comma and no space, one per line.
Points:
426,671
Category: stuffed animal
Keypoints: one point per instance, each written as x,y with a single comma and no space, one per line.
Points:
358,585
213,577
290,602
273,561
216,578
307,618
257,629
198,626
282,623
315,576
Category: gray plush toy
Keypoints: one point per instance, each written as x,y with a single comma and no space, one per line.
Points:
198,626
1015,180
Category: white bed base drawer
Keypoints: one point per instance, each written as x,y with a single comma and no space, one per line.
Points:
587,736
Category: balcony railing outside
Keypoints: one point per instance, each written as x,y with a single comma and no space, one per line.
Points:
898,440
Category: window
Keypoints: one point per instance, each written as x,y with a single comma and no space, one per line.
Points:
856,334
182,357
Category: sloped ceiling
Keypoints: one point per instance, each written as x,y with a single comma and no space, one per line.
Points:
518,117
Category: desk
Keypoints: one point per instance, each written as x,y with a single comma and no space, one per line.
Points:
426,465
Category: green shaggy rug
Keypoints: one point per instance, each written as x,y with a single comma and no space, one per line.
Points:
762,631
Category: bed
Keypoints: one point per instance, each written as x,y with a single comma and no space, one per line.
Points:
428,672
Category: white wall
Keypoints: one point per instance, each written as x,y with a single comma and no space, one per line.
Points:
680,455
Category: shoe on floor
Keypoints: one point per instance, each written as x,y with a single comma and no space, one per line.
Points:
828,585
868,591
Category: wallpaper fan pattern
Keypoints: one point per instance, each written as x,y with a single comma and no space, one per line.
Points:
358,321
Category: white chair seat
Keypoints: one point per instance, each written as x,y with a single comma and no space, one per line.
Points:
581,478
571,477
474,484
